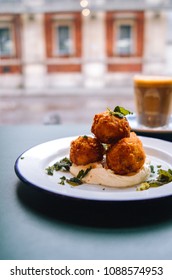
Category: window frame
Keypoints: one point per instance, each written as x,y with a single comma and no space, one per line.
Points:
125,63
65,63
56,24
9,25
116,26
11,63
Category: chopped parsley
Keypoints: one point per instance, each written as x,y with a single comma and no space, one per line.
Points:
119,112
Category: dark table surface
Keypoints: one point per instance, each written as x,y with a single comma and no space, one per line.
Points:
39,225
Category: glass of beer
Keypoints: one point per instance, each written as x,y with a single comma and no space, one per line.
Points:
153,95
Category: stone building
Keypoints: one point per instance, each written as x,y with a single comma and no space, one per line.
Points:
51,44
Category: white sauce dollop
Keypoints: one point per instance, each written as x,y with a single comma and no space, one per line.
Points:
101,176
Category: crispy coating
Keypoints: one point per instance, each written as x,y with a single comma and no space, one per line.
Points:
109,129
126,156
85,150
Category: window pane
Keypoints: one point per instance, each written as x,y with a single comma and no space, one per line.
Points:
63,38
124,42
5,41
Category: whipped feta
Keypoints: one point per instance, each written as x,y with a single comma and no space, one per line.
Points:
100,175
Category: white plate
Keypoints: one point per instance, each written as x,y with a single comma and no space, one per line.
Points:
30,168
141,128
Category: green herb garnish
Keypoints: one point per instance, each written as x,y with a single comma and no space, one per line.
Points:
164,177
64,165
152,169
143,186
63,179
50,170
75,181
119,112
82,173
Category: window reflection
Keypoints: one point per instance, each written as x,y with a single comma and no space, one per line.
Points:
63,44
124,40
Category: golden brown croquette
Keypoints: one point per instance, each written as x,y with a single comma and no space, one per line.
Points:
126,156
109,128
85,150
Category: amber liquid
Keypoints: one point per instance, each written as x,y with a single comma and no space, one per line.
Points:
153,105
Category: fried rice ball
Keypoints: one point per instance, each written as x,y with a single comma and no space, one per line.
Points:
85,150
109,128
126,156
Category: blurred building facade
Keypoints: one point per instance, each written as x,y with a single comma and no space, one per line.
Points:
73,43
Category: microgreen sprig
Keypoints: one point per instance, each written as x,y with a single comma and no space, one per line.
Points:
119,112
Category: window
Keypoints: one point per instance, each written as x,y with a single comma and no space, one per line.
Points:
10,44
124,40
124,44
63,35
6,45
63,40
124,37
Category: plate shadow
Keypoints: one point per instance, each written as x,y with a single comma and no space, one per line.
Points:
95,213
